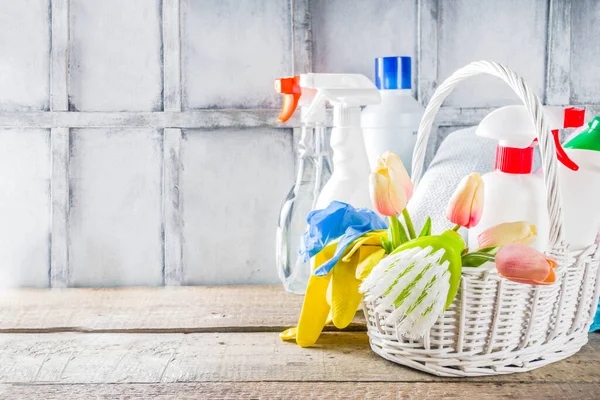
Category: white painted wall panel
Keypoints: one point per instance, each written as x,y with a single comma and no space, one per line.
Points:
24,207
115,55
585,51
232,50
233,184
24,50
349,34
115,224
512,32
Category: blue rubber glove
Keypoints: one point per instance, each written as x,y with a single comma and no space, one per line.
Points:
596,324
337,220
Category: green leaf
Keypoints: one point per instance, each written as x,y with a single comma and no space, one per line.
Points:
386,244
398,233
489,250
465,251
476,259
402,234
426,230
409,224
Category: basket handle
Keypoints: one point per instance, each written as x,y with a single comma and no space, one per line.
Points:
534,107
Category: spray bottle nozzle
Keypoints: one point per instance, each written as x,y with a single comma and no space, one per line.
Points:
290,88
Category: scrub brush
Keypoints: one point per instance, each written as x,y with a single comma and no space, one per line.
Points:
418,280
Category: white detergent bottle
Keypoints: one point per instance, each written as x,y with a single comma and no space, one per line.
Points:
349,182
512,192
392,124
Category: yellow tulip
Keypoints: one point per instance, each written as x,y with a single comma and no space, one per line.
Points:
466,205
507,233
390,185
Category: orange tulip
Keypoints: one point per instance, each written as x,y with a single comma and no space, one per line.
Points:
507,233
523,264
466,205
390,185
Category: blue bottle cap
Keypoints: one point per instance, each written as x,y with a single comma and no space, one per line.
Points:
392,73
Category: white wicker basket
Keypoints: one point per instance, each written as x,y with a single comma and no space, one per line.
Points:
495,326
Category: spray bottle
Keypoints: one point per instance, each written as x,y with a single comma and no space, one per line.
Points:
581,190
512,192
313,170
349,182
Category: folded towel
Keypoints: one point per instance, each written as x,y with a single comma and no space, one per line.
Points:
461,153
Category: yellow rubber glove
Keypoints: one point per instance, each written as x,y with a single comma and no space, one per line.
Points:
345,297
315,308
335,296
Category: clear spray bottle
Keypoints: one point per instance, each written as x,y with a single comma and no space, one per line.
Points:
313,170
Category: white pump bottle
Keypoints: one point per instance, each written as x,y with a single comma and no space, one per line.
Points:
349,182
393,124
512,192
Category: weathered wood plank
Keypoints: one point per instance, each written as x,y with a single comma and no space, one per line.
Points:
306,390
184,309
232,357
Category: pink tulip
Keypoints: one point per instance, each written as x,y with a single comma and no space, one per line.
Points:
523,264
466,205
507,233
390,185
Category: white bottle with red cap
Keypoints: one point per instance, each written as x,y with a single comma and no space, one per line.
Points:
512,192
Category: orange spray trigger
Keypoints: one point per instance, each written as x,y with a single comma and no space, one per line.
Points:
290,88
561,154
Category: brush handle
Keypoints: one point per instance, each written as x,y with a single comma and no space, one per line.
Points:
556,245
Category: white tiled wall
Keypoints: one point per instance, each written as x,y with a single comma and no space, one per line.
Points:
24,62
138,143
115,218
115,55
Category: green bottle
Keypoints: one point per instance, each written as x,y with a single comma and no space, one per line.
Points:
589,139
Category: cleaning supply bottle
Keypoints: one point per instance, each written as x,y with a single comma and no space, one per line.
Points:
313,170
580,190
393,124
512,193
349,182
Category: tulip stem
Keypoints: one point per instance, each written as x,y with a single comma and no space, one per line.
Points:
409,224
456,228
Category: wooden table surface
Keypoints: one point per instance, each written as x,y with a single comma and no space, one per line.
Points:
222,342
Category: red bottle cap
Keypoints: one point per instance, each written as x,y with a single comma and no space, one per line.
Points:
574,117
514,161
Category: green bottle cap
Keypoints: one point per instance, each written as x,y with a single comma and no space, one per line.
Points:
589,139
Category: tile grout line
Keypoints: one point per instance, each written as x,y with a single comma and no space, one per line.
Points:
59,146
558,53
427,49
172,229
